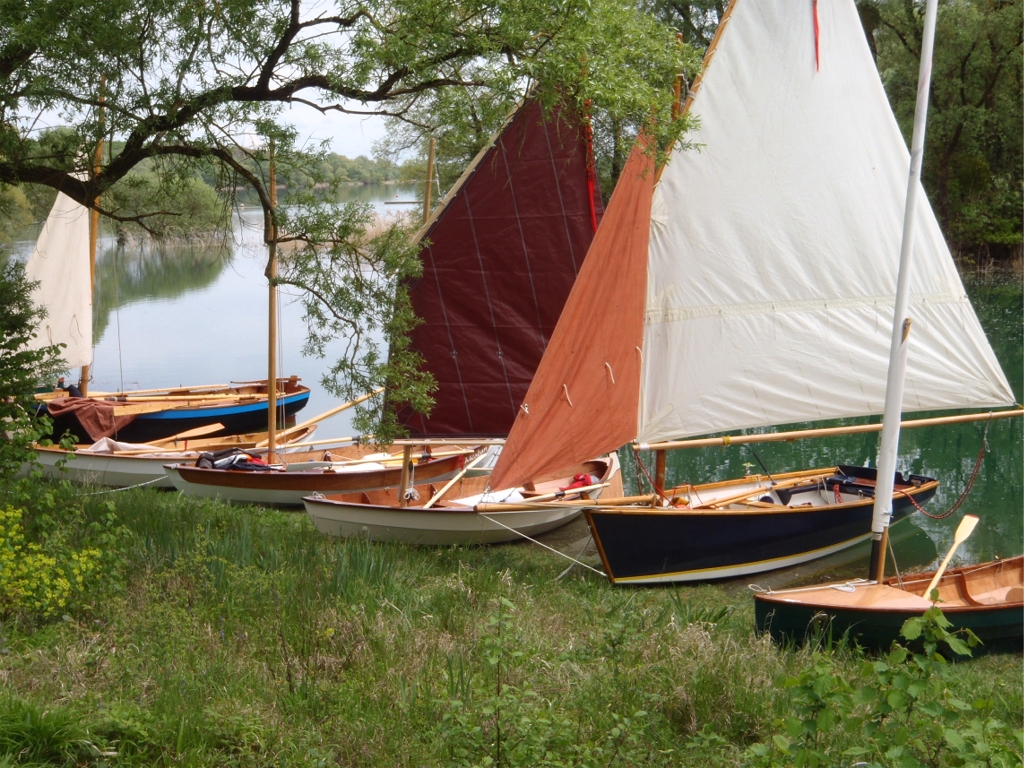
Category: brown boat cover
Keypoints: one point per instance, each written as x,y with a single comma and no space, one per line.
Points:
97,417
502,255
583,401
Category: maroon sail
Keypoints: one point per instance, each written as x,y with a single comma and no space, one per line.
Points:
503,250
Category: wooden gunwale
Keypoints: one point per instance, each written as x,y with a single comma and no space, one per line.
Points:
427,489
776,509
954,575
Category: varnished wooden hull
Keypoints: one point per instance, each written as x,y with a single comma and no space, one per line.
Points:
641,545
987,598
287,488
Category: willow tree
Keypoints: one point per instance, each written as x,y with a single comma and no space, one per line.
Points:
184,85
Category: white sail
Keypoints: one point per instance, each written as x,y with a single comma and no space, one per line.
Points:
60,264
774,248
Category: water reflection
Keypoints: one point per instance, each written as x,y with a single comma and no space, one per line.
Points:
126,275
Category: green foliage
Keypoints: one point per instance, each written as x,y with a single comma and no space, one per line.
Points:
697,21
30,735
609,63
40,579
974,154
164,206
355,281
241,636
22,370
900,711
15,211
500,724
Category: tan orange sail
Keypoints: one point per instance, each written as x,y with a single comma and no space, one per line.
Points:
584,397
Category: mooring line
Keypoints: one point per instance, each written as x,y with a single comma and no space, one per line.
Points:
539,544
126,488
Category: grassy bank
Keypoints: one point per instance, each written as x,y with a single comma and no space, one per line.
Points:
216,635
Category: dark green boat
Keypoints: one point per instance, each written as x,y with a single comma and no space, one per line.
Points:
987,598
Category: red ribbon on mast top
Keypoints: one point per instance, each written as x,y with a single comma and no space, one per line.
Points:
817,50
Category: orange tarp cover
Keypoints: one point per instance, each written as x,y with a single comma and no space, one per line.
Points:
584,397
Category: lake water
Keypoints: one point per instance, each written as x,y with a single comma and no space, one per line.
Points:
198,316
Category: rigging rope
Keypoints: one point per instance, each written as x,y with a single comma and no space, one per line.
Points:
654,486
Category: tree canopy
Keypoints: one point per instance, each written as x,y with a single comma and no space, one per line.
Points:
973,161
185,86
199,79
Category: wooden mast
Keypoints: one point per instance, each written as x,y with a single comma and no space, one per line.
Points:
272,335
430,179
94,227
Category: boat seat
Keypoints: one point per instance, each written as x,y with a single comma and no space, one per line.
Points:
1002,595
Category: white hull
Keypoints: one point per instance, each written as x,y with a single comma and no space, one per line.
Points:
451,522
108,469
433,526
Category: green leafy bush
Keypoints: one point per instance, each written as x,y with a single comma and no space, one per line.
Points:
901,705
37,579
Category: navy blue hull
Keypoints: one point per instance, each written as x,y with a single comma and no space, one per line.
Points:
237,419
671,545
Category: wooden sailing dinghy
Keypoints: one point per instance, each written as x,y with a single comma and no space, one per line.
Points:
988,599
60,264
500,254
737,527
451,518
749,285
340,470
145,416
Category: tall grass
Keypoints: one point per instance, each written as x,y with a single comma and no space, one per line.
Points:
240,636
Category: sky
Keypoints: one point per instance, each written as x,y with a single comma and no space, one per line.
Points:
350,135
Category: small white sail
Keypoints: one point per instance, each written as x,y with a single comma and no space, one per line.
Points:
774,248
60,264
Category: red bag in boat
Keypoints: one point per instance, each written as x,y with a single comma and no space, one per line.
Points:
580,481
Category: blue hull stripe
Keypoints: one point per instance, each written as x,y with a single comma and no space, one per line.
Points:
230,410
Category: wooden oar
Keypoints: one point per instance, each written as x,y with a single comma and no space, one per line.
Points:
763,489
963,531
391,458
525,506
325,415
188,434
454,480
325,441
